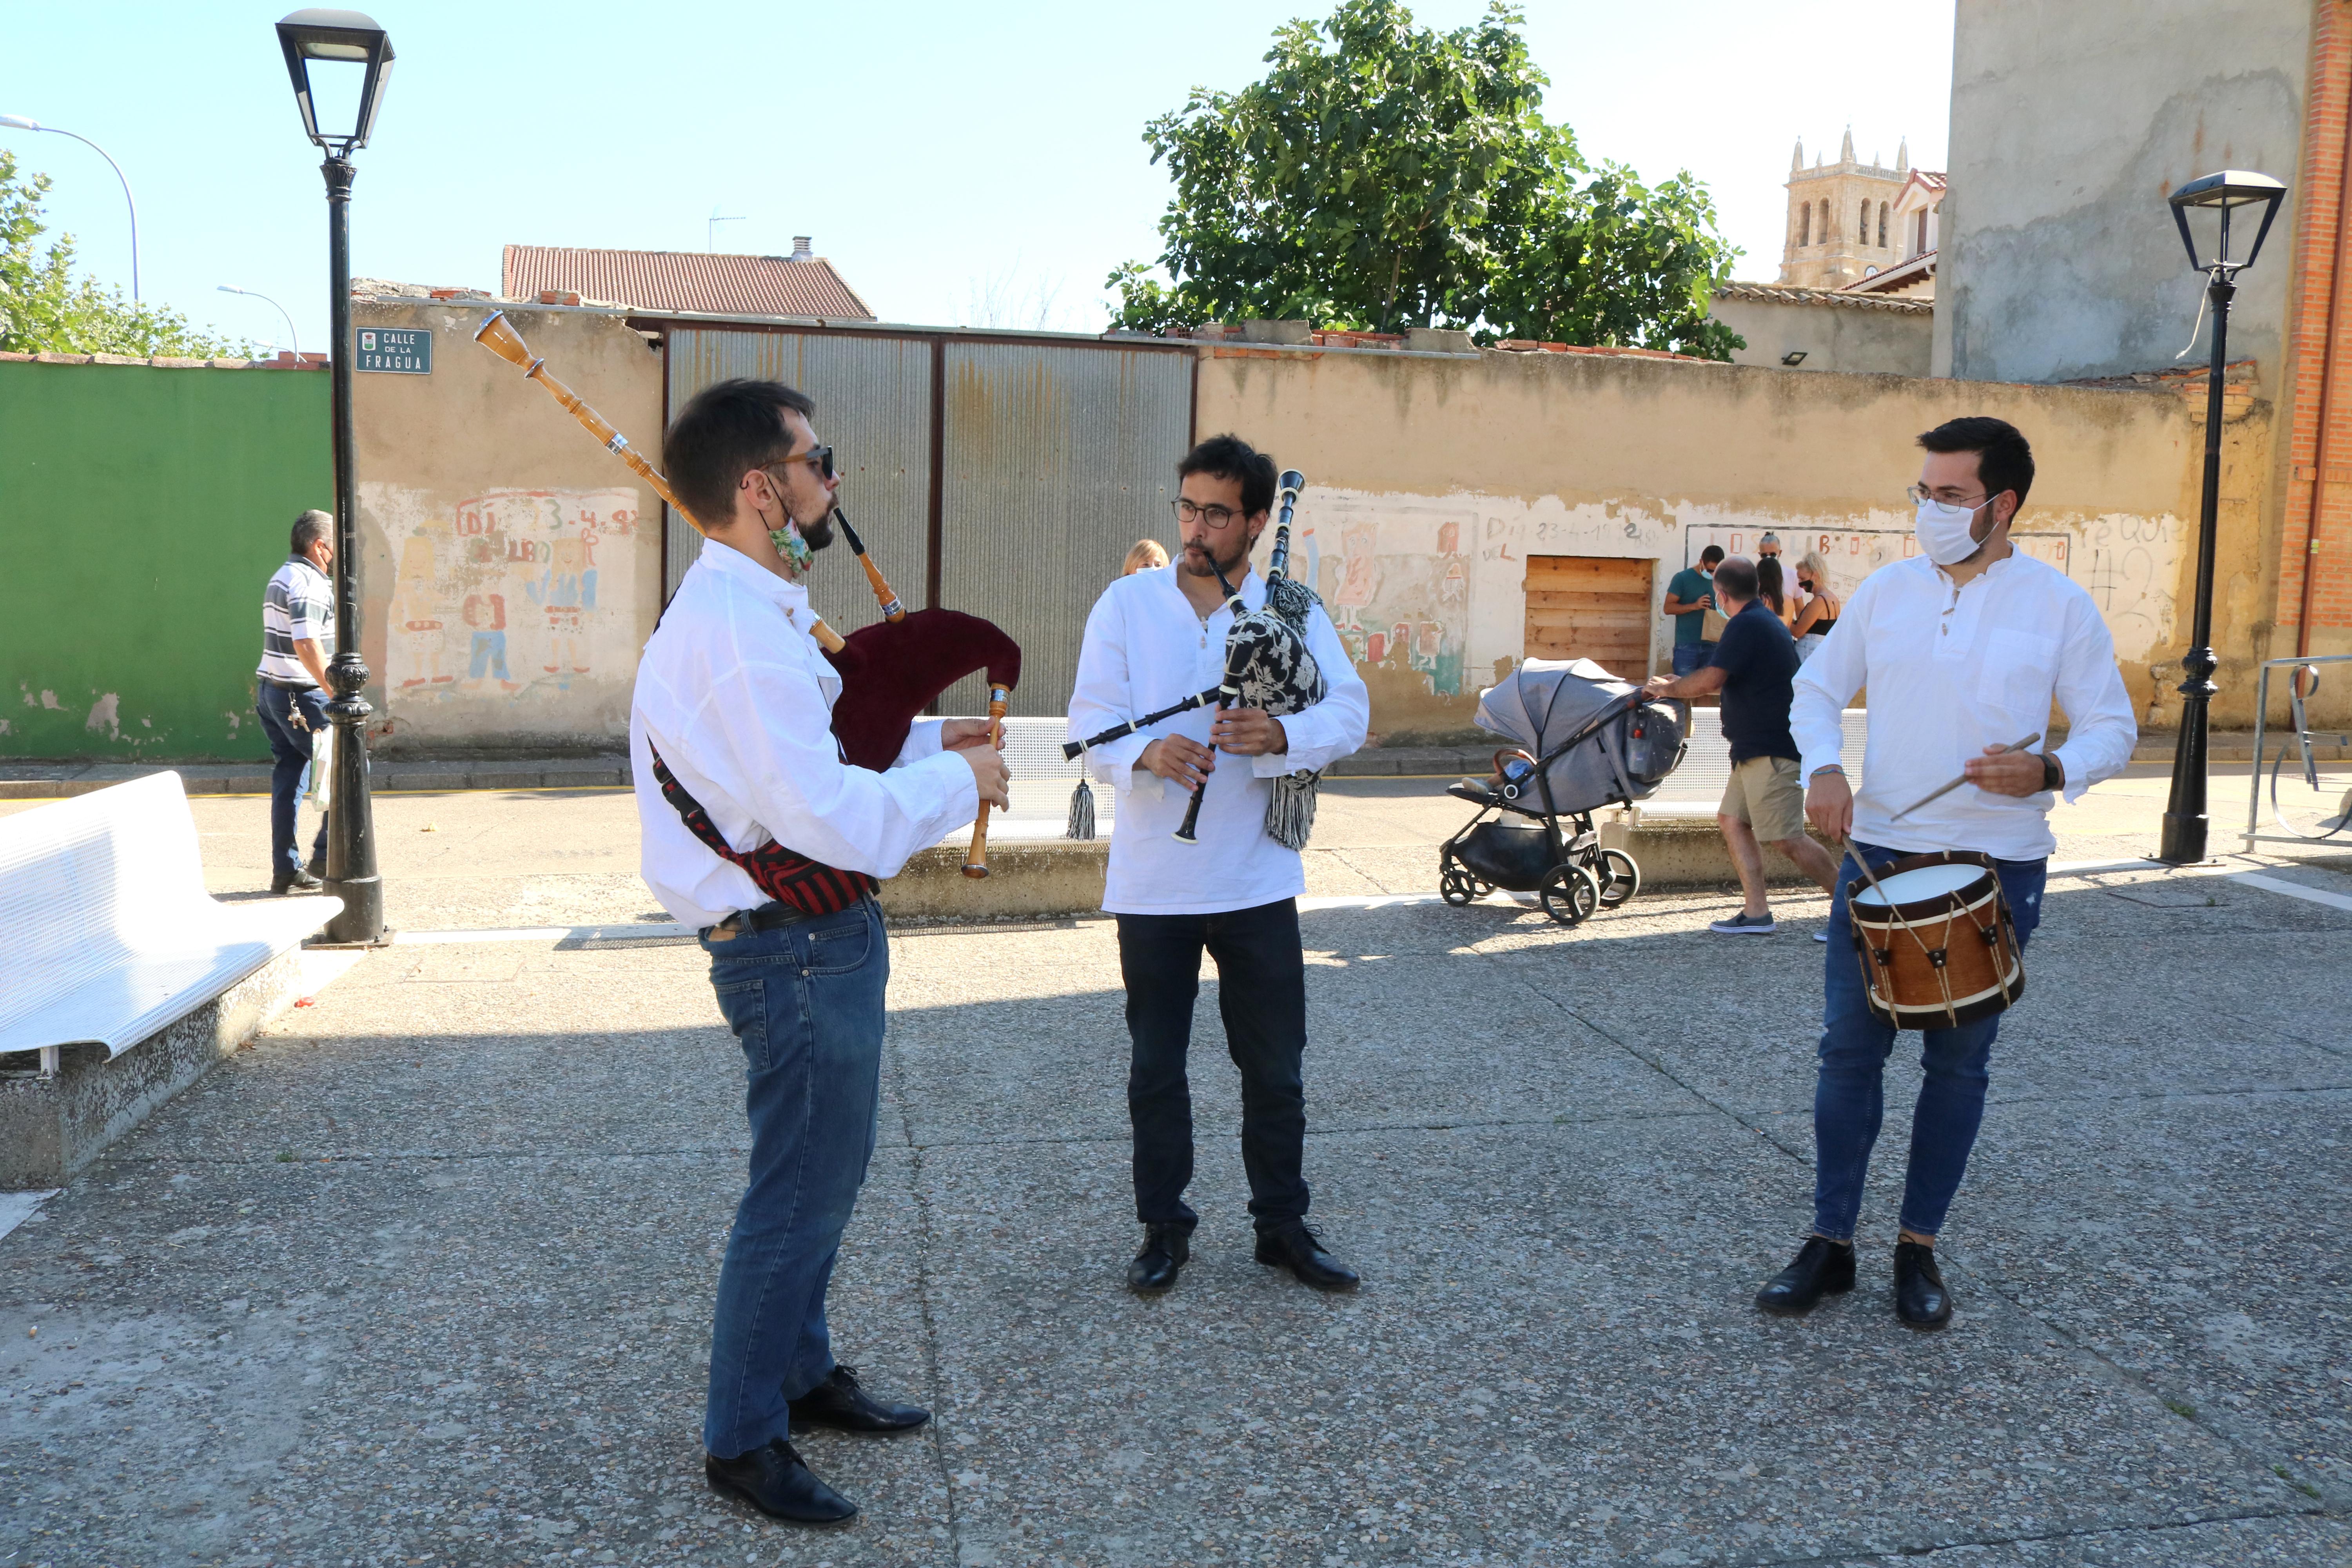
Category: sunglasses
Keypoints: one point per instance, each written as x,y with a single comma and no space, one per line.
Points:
818,458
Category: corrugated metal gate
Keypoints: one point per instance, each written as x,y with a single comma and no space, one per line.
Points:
1004,476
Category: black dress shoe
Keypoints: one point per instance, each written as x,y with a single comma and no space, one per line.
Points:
1297,1247
1167,1247
1920,1298
1822,1267
774,1480
840,1404
295,881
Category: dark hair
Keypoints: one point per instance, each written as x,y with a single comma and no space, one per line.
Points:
1737,577
1770,584
726,429
2004,461
308,529
1231,457
1710,555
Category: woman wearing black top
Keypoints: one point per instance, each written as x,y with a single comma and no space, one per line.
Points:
1821,612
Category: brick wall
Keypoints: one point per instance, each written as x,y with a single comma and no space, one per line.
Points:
2316,535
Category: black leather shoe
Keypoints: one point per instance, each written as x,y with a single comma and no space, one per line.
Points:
317,864
1821,1268
1167,1247
1297,1247
774,1480
839,1403
1920,1298
295,881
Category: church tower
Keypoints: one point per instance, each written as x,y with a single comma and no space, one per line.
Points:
1841,223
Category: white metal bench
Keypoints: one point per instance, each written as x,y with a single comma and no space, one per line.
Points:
1042,783
107,935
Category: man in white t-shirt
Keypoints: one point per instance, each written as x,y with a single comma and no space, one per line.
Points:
1153,638
298,637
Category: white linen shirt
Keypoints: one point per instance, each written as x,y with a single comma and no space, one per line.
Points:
1146,648
739,698
1951,670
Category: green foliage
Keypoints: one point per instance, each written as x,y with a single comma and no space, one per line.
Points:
45,309
1406,177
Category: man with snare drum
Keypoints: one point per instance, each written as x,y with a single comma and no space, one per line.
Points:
1963,647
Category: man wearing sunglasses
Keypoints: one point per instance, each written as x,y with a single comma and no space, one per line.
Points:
1154,638
760,837
1964,647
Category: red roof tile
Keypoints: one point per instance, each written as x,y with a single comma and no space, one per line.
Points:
685,280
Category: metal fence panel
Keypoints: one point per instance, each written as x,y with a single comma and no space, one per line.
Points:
1057,459
873,408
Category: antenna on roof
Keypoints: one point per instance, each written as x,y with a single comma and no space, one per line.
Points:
710,239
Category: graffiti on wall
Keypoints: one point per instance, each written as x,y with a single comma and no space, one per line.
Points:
1398,585
511,593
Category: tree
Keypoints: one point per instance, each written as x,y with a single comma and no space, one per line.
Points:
1407,177
44,309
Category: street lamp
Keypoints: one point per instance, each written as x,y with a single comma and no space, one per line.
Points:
2221,195
258,294
344,39
26,122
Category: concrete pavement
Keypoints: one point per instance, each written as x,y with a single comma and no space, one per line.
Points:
424,1275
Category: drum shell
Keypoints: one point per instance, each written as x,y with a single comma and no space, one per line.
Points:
1983,970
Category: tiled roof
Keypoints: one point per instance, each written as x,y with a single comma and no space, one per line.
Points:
683,280
1931,178
1902,275
1789,294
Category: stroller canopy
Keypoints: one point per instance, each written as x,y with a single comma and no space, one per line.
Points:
1546,701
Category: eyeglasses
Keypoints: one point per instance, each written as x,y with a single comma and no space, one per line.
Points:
818,458
1918,495
1214,516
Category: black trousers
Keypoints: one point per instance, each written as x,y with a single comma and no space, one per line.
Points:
1261,996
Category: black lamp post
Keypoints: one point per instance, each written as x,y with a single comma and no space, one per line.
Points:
2221,194
345,39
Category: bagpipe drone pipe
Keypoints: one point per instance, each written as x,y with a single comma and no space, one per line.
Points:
890,671
1269,666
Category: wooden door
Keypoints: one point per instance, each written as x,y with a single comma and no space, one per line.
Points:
1592,606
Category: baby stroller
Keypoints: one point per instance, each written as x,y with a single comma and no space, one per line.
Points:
1585,740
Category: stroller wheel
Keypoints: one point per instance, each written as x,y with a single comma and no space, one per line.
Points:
1455,885
1569,894
1620,877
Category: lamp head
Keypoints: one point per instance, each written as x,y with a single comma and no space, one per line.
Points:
341,37
19,122
2224,194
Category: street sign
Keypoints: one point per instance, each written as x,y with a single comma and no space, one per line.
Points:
402,353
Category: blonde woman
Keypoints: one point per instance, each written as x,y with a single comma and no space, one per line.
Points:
1821,612
1148,555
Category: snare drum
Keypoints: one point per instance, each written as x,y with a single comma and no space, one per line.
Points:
1937,943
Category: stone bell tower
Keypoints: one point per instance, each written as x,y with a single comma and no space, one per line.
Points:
1840,218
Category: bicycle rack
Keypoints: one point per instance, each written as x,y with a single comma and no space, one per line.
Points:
2303,739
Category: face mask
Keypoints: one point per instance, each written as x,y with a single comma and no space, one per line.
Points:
1946,531
790,546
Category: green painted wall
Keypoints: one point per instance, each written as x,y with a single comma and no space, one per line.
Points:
141,513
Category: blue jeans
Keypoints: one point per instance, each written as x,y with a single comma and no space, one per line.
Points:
1690,656
1262,997
290,752
806,1002
1848,1103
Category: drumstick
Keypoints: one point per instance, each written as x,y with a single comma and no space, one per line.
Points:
1957,783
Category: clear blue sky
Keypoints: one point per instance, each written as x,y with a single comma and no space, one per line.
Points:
958,164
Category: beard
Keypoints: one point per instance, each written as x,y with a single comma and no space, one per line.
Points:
1199,563
818,535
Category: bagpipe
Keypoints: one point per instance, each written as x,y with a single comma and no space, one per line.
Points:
891,670
1269,666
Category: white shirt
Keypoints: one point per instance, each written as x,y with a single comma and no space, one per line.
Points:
1146,648
739,699
1951,670
299,603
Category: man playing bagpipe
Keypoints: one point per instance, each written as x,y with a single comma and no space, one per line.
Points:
1231,885
757,834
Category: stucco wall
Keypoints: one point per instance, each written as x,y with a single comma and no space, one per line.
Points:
513,567
1856,337
1433,479
2069,125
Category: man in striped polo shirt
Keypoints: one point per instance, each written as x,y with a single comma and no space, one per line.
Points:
298,636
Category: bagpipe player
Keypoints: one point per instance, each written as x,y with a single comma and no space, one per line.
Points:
760,836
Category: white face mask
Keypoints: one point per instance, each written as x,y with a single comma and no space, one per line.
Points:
1947,532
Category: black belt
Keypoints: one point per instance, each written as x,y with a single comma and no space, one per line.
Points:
767,917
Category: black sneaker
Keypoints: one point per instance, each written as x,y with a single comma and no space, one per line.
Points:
1745,924
296,881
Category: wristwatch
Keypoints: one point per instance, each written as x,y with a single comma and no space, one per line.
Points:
2054,777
